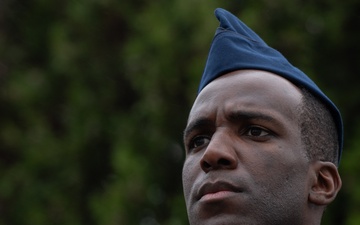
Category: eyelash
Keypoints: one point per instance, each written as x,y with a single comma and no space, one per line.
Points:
192,142
245,132
261,129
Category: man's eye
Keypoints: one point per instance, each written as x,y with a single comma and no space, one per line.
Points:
257,132
199,141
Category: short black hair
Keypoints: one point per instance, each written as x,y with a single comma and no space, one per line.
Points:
318,130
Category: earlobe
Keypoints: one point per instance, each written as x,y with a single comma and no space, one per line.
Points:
326,183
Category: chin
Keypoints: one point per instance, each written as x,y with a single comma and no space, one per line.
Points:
221,219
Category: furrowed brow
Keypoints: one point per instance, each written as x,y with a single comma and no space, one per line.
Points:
197,125
237,116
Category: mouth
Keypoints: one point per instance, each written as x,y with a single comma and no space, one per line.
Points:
217,190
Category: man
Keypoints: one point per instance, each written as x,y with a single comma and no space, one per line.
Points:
262,141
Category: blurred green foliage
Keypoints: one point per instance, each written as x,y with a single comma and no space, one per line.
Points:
95,95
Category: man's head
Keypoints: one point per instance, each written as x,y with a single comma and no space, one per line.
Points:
261,148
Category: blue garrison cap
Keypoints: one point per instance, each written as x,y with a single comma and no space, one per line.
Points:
236,47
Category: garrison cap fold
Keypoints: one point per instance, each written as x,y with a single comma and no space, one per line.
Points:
235,47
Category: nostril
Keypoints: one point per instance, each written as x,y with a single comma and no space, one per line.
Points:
224,162
221,163
205,165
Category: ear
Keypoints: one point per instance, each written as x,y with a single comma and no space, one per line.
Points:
326,183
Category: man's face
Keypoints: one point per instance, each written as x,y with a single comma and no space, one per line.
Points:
245,163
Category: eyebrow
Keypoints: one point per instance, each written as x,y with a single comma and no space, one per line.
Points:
196,125
241,115
234,116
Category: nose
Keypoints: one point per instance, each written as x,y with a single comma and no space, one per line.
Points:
219,154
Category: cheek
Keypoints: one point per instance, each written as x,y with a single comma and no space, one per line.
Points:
189,175
282,162
286,177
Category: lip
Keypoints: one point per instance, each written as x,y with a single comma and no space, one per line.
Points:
217,190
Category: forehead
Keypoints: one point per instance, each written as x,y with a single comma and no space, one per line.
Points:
248,89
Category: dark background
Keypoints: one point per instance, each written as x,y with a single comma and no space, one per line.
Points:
95,95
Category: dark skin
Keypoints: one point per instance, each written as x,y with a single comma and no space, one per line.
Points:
245,162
